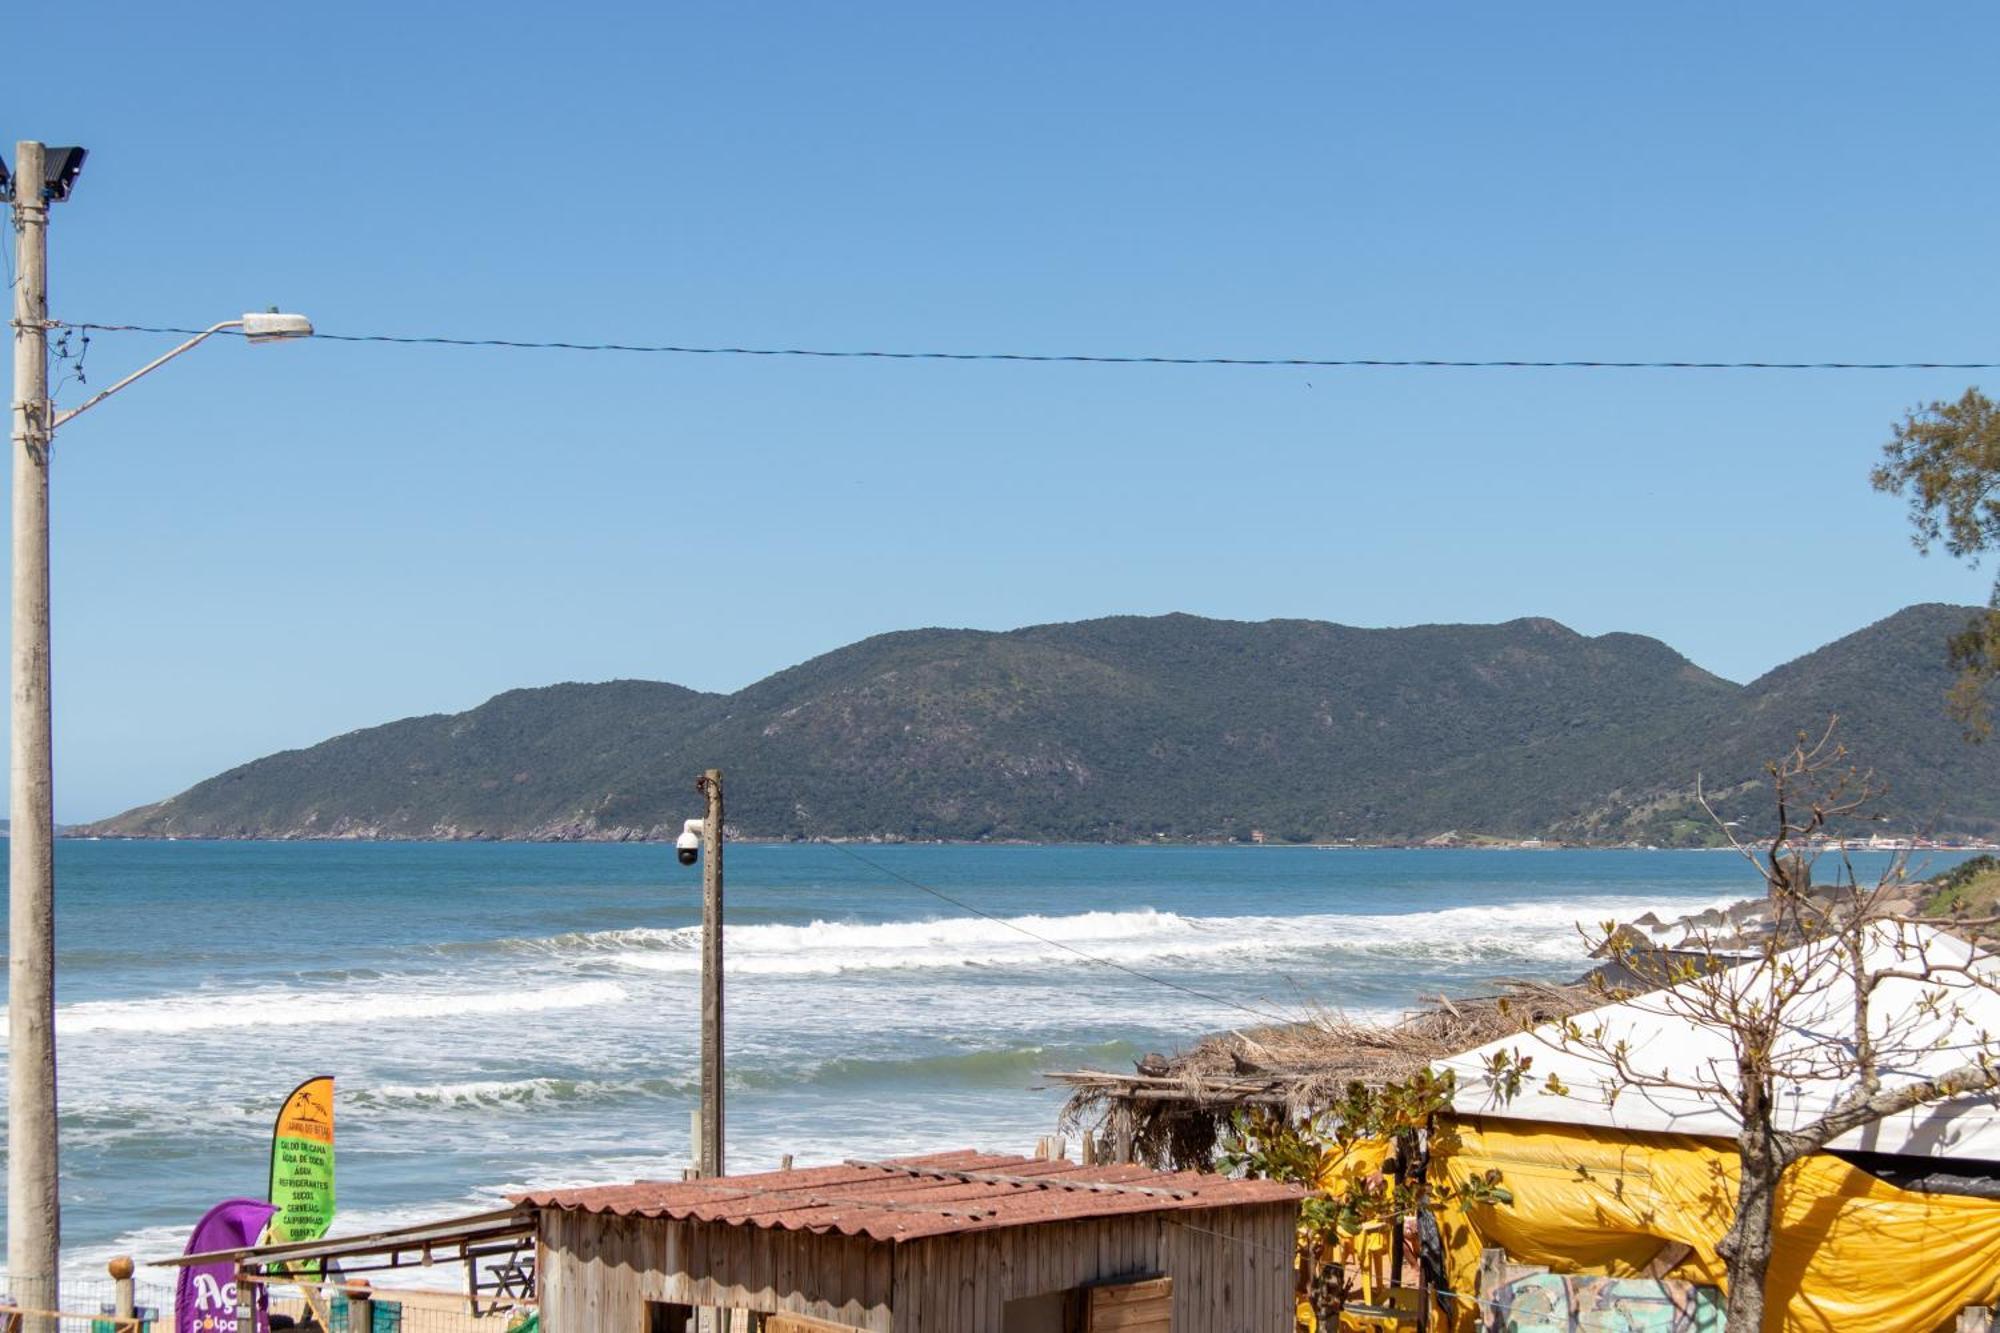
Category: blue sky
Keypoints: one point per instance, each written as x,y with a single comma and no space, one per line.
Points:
262,547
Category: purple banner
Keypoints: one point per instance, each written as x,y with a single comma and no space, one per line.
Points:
205,1297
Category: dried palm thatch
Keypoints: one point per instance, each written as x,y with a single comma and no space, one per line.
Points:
1174,1108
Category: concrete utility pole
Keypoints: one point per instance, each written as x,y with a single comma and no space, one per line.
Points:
34,1234
709,1160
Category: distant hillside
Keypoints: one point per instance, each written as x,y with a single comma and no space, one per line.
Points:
1130,728
1887,683
514,766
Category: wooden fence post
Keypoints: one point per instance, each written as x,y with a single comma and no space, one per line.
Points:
1121,1133
124,1297
246,1299
360,1307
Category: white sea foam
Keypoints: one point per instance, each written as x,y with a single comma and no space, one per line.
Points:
1548,931
470,1092
825,947
583,942
196,1011
504,1094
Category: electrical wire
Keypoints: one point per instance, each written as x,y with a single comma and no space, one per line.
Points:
71,361
880,869
1060,358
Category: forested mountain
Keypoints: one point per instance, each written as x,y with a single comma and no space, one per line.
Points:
1132,728
1887,684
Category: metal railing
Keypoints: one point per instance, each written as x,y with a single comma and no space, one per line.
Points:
100,1305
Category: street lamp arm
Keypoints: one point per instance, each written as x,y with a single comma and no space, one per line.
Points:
141,373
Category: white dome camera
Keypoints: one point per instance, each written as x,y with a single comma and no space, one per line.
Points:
688,845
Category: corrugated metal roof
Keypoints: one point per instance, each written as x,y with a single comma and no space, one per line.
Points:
911,1197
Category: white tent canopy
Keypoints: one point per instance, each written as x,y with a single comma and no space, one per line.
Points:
1939,1013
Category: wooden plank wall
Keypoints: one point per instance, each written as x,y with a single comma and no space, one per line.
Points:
599,1272
1232,1268
585,1275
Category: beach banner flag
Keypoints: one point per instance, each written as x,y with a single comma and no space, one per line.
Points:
302,1166
205,1295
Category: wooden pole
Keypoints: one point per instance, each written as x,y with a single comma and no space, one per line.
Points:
124,1299
710,786
34,1228
1402,1151
360,1307
246,1301
1420,1177
1121,1132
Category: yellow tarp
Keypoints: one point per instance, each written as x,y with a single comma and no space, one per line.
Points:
1364,1254
1852,1252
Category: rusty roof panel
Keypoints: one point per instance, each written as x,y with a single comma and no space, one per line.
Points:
908,1198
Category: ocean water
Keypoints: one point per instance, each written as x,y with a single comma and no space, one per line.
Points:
500,1016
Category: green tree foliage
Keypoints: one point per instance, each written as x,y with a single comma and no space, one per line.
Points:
1354,1190
1946,458
1971,886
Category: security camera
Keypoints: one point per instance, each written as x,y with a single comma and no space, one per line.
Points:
688,846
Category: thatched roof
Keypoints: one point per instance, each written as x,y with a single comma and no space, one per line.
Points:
1302,1067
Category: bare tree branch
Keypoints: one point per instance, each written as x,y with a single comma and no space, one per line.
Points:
1838,992
1980,1076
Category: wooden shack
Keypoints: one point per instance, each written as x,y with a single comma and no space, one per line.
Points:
957,1243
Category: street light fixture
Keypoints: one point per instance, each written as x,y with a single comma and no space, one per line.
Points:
34,1203
273,327
269,327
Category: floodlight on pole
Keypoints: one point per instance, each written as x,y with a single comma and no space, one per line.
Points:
60,168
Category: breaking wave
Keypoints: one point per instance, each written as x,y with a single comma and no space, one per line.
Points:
195,1012
1009,1066
1528,931
511,1094
1524,932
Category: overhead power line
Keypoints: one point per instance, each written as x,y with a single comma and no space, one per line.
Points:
1071,358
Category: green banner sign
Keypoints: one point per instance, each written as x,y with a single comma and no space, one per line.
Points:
302,1164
